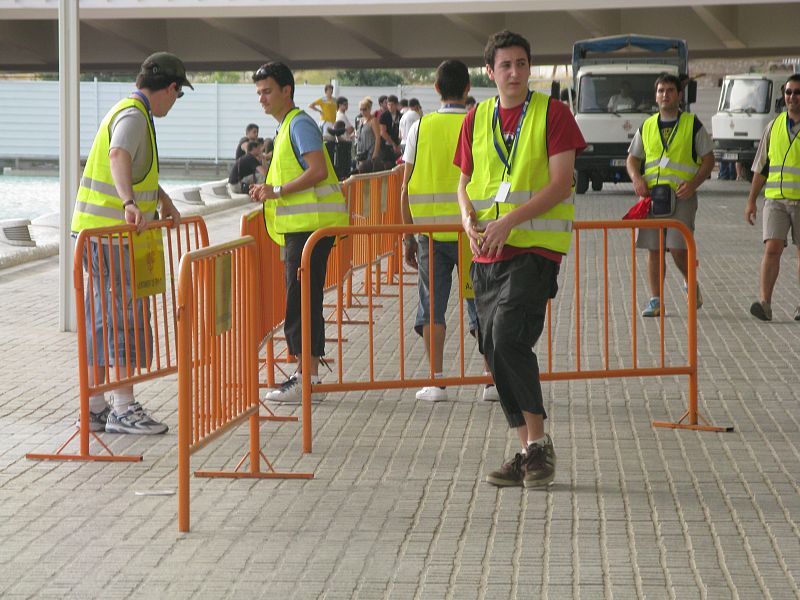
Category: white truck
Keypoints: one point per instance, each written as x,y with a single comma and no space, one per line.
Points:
747,103
613,79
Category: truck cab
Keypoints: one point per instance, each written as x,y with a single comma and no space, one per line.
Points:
613,79
747,103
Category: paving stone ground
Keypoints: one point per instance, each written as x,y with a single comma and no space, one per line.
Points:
398,507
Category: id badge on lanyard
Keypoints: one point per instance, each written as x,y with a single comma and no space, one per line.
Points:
504,188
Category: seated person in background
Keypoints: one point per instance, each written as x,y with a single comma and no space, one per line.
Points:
266,152
247,170
250,135
623,100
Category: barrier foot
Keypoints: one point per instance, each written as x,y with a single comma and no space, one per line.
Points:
59,455
271,416
705,426
271,473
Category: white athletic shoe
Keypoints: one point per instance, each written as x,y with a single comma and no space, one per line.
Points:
490,393
432,394
134,420
291,392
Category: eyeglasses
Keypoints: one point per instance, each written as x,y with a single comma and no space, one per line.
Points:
178,91
794,92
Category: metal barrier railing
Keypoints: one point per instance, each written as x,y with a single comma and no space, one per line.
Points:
132,333
218,359
579,370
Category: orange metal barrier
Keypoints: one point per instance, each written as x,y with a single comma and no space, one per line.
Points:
375,235
218,359
150,345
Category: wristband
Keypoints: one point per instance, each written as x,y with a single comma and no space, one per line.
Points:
127,203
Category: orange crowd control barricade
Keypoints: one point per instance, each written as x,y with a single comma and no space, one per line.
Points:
125,308
577,363
218,359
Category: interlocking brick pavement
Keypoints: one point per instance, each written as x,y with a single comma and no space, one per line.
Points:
398,507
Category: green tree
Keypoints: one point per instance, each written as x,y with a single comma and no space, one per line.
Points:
369,77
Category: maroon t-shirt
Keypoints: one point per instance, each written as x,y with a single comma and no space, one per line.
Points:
563,135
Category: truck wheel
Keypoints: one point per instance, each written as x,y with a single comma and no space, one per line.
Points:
581,182
597,183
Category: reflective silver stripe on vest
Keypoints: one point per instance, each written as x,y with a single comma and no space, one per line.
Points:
516,198
310,208
663,177
784,169
431,198
554,225
327,189
674,165
438,220
482,204
109,190
783,184
99,210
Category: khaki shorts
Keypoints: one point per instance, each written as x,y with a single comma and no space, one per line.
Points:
685,211
779,217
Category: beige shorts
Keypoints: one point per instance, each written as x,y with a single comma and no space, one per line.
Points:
779,217
685,211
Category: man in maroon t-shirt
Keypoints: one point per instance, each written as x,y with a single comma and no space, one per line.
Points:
512,283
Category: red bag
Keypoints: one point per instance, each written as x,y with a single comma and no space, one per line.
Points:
640,210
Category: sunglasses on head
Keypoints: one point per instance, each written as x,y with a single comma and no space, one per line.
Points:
794,92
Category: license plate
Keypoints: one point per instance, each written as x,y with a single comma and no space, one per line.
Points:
617,162
730,156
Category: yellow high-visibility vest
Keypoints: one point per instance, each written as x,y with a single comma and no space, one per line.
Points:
308,210
674,164
783,178
433,186
529,174
98,204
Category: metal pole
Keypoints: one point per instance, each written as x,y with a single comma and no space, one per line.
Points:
69,163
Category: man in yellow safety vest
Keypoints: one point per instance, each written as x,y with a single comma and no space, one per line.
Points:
301,194
429,196
678,152
120,185
777,164
516,154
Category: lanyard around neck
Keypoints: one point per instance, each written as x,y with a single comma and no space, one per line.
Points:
666,143
508,162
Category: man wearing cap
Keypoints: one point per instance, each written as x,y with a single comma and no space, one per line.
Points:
120,185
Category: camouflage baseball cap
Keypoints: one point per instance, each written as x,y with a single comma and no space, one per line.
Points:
166,65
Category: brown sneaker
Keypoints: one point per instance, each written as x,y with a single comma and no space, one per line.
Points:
509,474
539,465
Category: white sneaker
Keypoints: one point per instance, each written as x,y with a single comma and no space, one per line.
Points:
134,420
490,393
291,391
432,394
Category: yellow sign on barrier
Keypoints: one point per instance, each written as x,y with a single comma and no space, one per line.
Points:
148,263
222,294
466,262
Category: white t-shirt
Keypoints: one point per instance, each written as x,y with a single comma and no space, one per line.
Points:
410,152
340,116
406,121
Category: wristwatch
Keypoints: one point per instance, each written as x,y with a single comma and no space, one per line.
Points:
276,189
127,203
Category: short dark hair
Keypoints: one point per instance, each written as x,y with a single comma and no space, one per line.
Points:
252,145
471,100
260,140
452,79
251,126
328,86
414,103
269,145
404,102
504,39
794,77
667,79
341,100
154,83
391,98
278,71
382,99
